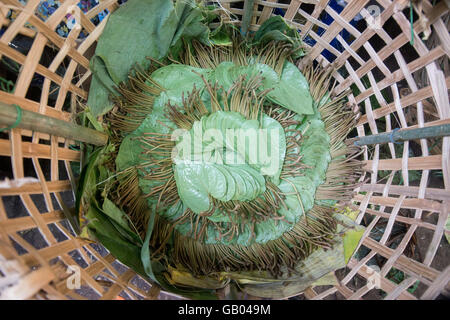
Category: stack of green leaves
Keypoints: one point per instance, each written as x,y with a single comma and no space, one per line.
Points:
196,219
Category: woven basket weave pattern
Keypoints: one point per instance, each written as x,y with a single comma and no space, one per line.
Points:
393,85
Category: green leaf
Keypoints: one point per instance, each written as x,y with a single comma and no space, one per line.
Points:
351,240
92,173
223,75
139,29
87,183
205,169
117,215
121,221
276,146
220,37
178,79
154,270
95,123
190,187
191,25
145,254
124,251
352,236
293,75
101,228
292,91
289,97
136,30
276,29
101,88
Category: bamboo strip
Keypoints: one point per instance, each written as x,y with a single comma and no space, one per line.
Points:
436,131
36,188
433,162
32,149
423,204
430,193
247,16
40,123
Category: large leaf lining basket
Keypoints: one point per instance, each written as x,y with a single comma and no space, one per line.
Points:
399,84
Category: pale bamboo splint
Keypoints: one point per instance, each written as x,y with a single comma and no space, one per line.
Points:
398,85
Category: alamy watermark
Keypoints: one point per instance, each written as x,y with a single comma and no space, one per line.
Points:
374,280
372,14
374,18
74,280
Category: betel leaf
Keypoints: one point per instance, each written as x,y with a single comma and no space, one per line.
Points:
178,80
203,168
290,90
190,187
194,23
292,74
95,123
305,188
223,182
121,221
117,215
101,88
316,269
195,182
131,148
101,228
276,29
190,25
138,29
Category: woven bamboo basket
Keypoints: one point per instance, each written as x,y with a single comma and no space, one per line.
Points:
396,81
